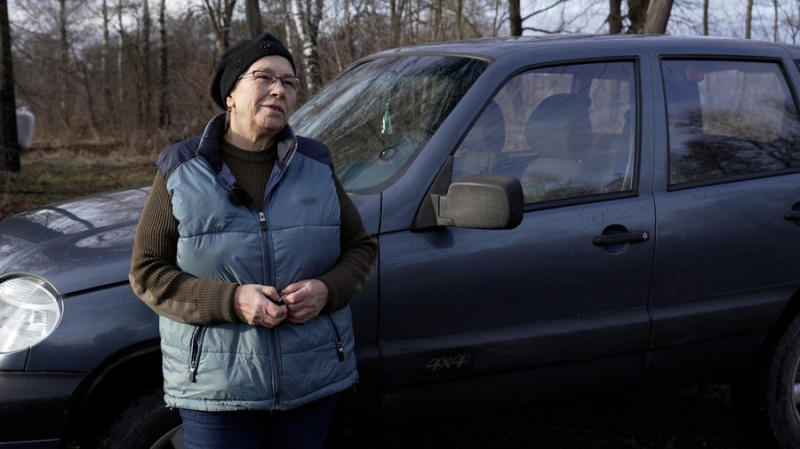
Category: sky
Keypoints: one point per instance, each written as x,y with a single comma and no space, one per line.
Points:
727,17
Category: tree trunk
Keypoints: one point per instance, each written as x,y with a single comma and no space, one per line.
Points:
83,72
164,119
253,15
748,21
459,19
637,14
658,12
9,141
776,33
65,99
395,23
438,25
306,22
221,18
515,17
615,16
705,17
120,55
145,89
288,29
106,50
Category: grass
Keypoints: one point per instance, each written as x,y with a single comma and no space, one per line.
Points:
50,175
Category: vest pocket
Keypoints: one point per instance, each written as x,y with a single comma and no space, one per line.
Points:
196,350
337,338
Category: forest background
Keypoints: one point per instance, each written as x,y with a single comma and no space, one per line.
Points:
135,73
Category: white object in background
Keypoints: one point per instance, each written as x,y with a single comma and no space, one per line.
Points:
25,122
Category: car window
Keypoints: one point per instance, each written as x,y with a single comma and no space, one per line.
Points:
728,119
377,116
564,132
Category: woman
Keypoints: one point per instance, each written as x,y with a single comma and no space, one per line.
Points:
250,251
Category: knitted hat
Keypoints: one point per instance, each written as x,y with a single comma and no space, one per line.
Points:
239,58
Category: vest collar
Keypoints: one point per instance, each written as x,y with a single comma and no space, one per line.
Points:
208,148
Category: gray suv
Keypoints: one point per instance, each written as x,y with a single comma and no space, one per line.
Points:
555,216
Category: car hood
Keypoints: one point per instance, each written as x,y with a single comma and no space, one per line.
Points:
77,244
86,242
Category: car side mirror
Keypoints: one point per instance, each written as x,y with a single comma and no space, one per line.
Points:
481,201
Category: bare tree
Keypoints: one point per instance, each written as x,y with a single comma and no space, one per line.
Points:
637,14
658,12
705,17
120,54
9,144
397,13
84,74
64,97
164,118
459,19
146,97
775,21
515,17
307,15
104,56
438,21
253,16
791,23
288,23
552,28
615,16
221,15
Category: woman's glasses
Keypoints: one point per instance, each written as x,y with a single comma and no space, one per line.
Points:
267,78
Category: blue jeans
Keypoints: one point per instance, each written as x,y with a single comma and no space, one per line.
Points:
301,428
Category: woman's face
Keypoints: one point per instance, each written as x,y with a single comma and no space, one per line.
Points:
260,105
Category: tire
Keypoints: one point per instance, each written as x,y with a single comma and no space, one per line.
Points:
781,392
145,423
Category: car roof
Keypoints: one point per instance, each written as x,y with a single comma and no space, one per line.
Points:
496,48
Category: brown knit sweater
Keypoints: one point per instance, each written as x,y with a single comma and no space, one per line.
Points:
185,298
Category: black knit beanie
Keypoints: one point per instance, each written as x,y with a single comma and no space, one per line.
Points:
238,58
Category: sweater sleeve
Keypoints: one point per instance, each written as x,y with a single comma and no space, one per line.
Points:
155,278
357,258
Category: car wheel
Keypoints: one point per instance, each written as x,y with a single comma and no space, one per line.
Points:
145,423
782,387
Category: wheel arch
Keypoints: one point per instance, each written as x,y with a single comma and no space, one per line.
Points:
789,312
106,391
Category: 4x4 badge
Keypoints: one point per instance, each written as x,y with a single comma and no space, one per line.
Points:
440,363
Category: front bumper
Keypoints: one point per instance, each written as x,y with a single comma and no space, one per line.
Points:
33,407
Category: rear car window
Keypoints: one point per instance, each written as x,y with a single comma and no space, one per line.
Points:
728,120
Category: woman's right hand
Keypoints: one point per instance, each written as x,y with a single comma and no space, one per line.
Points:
256,304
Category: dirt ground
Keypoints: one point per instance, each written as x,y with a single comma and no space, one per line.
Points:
680,418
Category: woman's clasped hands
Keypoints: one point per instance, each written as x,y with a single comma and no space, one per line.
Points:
263,305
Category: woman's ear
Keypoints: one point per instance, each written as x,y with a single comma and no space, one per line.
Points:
229,102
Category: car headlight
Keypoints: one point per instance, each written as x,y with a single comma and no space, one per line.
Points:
30,310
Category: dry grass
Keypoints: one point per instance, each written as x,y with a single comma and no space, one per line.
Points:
54,174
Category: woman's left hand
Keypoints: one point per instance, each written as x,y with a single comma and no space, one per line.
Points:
305,300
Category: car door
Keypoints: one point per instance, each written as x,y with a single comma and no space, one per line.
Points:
558,302
728,234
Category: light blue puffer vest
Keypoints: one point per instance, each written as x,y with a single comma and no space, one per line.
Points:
237,366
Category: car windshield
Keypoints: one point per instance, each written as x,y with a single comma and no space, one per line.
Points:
378,115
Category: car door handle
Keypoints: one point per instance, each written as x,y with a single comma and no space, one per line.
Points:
792,215
627,237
